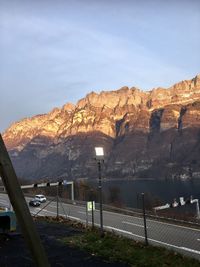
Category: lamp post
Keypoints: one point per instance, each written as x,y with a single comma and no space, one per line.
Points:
100,158
57,199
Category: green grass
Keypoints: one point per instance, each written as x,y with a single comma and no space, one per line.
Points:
120,249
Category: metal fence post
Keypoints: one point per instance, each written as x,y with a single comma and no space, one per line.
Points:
57,200
144,216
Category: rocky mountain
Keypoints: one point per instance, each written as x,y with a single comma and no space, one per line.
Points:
144,134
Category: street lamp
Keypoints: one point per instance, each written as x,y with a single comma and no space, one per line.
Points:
100,158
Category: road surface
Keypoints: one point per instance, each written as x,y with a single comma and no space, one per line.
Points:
183,239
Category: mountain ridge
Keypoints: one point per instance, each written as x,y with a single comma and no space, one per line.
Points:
111,118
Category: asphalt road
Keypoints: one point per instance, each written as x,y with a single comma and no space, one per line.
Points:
180,238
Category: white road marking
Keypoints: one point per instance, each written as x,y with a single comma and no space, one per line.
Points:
190,250
153,240
123,231
38,209
175,225
74,218
151,220
139,225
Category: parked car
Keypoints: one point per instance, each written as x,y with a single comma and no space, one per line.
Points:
40,198
34,203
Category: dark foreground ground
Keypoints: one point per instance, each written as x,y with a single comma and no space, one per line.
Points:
14,252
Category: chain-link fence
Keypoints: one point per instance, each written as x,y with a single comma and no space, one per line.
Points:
158,227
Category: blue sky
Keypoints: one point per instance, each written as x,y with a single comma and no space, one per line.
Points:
54,52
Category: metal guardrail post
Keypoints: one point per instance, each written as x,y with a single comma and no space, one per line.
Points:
21,209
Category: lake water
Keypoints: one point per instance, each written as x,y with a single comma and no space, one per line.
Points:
128,192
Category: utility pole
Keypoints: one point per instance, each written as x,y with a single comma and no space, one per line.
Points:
21,209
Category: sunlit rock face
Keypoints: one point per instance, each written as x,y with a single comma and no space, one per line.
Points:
145,134
170,117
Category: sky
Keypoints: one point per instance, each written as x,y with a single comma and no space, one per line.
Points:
54,52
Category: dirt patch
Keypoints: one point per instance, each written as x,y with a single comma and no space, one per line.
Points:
14,252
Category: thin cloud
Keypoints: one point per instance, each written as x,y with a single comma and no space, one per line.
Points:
59,51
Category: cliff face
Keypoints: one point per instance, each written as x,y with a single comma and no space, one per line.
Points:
151,134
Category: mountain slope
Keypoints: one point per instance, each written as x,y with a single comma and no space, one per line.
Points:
151,134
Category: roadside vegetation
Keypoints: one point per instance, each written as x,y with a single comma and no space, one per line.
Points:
116,248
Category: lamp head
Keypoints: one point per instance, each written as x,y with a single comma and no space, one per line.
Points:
99,153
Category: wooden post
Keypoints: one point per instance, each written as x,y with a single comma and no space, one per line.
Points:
20,207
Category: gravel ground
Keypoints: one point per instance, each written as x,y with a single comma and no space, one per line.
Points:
14,252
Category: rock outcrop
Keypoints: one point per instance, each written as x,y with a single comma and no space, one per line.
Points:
145,134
